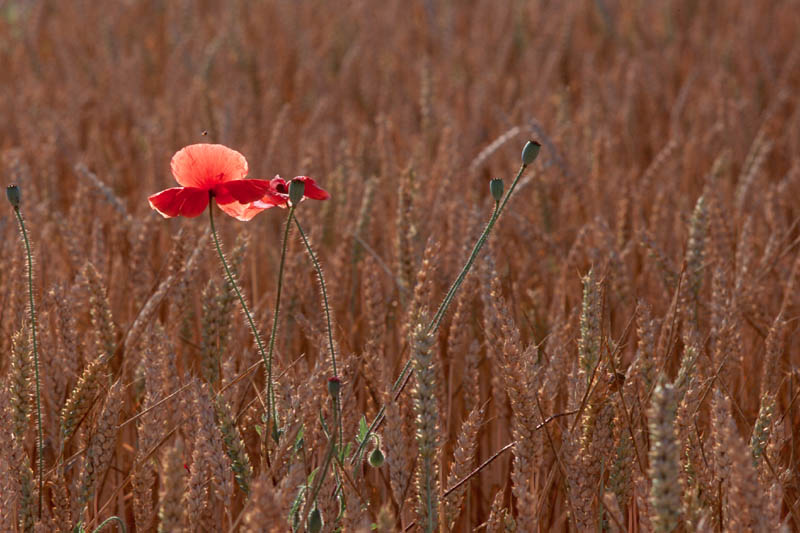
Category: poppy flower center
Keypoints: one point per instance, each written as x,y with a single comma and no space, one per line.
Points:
282,188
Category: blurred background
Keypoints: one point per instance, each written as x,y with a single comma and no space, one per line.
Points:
404,110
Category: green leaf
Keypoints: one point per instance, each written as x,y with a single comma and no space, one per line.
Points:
324,425
311,477
348,447
362,429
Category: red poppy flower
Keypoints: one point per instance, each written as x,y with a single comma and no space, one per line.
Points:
210,168
279,192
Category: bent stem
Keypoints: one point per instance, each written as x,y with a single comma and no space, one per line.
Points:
233,283
108,521
451,293
436,321
271,411
325,308
35,350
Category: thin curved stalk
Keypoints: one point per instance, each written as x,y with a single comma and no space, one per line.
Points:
324,292
235,285
108,520
326,308
446,301
35,351
451,293
271,410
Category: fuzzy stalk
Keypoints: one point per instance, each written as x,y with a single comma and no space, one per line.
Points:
40,437
498,209
451,293
108,521
271,411
234,284
326,309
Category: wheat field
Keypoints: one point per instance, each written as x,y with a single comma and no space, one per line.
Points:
622,355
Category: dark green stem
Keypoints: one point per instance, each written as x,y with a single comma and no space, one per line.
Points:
271,411
233,283
35,350
326,308
108,521
446,301
451,293
324,292
448,298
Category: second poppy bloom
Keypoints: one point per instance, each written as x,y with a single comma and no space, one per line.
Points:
278,194
203,170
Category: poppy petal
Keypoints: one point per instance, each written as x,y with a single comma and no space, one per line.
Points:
272,199
243,191
243,212
312,190
206,165
183,201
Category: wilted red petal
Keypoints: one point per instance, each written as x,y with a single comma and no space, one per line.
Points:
206,165
243,212
279,185
243,191
184,201
271,200
312,190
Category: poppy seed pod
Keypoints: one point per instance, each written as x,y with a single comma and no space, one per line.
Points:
530,152
13,194
296,190
315,521
376,458
496,188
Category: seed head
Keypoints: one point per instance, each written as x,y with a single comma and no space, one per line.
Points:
530,152
376,458
13,194
296,190
496,188
315,521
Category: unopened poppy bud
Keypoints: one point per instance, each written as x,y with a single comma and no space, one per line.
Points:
496,188
334,384
12,192
315,521
530,152
296,190
376,458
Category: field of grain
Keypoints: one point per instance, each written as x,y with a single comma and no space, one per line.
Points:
622,355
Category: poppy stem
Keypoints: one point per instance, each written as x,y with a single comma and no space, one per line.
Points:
324,290
232,281
446,301
35,349
326,308
451,293
108,521
271,411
